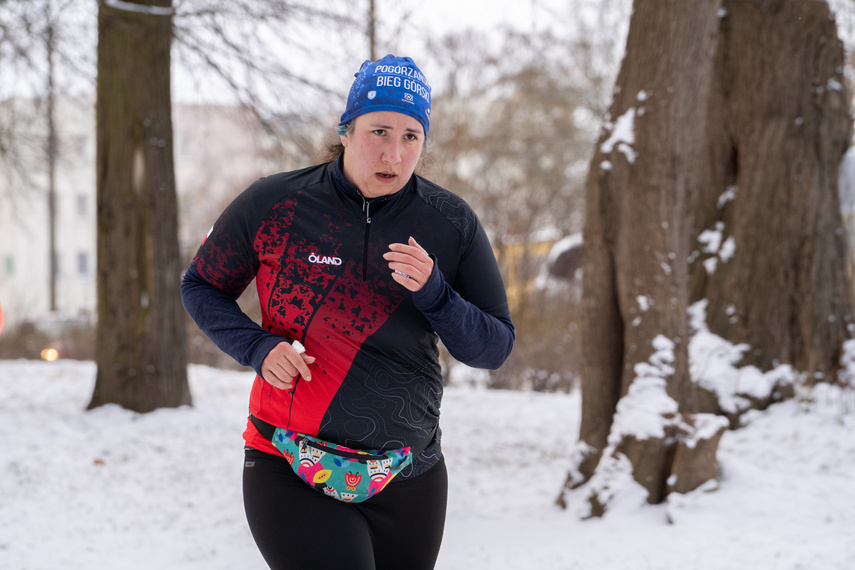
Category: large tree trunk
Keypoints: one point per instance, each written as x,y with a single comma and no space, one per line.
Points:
141,345
781,126
714,185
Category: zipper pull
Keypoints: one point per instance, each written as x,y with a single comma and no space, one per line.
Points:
366,209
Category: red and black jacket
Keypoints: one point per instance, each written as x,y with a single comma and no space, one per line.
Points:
315,248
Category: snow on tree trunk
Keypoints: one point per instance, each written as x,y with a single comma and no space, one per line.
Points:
714,258
141,347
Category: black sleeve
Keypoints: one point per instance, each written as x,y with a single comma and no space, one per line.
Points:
224,266
472,319
218,315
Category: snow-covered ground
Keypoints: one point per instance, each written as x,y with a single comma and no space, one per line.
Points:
110,489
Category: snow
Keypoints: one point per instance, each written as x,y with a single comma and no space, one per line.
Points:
712,242
727,196
712,238
713,365
109,488
705,428
728,248
641,411
564,244
622,135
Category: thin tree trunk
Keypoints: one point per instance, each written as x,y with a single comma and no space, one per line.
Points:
52,156
141,345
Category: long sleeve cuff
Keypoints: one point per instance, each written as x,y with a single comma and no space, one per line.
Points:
471,335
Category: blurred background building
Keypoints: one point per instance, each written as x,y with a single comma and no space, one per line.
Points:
206,137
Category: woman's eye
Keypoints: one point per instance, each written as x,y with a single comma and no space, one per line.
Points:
380,132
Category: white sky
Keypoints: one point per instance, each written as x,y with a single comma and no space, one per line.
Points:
447,15
404,27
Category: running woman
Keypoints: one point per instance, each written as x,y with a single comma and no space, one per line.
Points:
366,266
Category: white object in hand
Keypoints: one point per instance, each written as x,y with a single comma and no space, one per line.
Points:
298,347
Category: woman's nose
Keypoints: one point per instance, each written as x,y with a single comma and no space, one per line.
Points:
393,151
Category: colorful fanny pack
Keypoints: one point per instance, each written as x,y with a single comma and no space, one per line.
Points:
343,473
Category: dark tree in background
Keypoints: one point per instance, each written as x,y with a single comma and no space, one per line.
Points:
250,51
715,181
141,347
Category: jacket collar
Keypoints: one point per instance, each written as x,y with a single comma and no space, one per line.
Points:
352,192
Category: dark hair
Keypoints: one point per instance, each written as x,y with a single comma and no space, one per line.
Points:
333,148
332,145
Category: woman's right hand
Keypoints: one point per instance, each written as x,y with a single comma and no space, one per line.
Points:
283,364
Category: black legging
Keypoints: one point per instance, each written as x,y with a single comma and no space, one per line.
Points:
295,527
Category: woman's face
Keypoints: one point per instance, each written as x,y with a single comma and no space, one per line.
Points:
381,152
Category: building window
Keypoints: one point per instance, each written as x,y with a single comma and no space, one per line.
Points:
83,263
82,205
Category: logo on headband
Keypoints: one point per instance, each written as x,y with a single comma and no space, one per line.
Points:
372,94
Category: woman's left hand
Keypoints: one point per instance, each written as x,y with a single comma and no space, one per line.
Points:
410,264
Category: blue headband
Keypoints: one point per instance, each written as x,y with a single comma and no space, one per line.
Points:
389,84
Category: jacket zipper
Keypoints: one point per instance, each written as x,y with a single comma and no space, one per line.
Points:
366,208
293,391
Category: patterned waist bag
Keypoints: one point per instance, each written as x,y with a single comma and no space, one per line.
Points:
343,473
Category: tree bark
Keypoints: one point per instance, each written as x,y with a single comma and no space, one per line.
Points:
729,116
781,125
141,349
